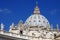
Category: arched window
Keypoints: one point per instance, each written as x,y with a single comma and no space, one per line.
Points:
54,35
21,32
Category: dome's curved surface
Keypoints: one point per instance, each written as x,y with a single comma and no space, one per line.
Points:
37,19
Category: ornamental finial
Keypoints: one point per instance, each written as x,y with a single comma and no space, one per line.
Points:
57,27
2,26
36,9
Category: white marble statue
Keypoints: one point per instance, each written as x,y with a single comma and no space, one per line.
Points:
2,26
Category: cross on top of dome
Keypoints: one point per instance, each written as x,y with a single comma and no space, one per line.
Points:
36,3
36,9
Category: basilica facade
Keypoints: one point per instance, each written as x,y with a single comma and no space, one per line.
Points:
36,27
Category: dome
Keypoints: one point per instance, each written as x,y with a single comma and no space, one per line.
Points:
37,19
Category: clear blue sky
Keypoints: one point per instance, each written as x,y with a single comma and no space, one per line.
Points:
15,10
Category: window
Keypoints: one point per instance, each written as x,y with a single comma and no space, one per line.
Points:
43,21
54,35
21,32
33,34
39,20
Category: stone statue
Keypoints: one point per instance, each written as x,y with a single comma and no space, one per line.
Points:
2,26
57,27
